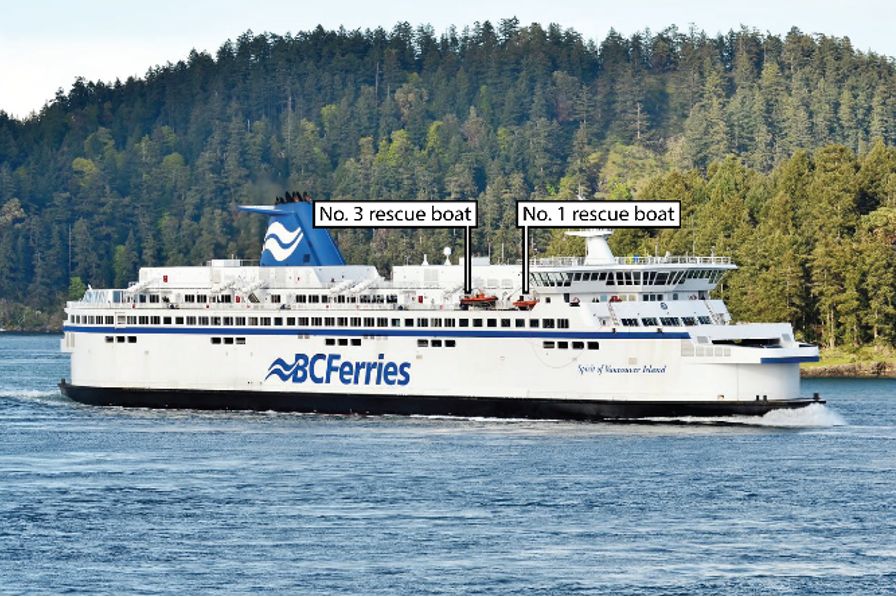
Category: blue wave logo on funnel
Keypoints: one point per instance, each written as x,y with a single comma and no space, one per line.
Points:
292,239
281,242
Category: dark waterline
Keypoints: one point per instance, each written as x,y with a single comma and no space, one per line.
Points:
102,500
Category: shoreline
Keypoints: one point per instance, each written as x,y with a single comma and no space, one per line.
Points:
864,369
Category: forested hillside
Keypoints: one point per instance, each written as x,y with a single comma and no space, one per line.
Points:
781,150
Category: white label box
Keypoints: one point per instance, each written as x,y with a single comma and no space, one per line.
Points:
395,214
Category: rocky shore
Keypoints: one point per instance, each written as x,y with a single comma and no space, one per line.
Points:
866,369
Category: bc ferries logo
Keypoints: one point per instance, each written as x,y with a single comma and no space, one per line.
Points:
330,368
281,242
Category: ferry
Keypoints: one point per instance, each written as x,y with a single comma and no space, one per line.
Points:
596,337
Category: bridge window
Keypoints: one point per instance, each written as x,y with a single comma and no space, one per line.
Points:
704,320
189,298
314,298
688,321
629,322
670,321
649,321
301,298
201,298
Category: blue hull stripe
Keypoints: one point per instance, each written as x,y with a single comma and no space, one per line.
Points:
773,360
335,332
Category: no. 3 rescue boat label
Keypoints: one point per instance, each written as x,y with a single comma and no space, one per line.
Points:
330,368
607,369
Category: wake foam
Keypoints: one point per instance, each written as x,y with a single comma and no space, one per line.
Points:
812,416
28,394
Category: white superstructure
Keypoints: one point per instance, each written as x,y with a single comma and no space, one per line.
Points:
608,337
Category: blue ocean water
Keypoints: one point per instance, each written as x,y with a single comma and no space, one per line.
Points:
106,500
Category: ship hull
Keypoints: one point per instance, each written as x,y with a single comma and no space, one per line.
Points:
460,406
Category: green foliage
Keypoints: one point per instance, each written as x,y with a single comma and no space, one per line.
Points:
780,150
76,289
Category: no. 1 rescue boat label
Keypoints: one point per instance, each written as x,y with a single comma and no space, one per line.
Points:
323,368
598,214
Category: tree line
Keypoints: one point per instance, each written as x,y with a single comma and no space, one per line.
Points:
780,148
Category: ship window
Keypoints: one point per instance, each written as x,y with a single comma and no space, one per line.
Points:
422,343
132,319
240,340
688,321
435,322
649,320
353,299
109,339
382,322
356,342
301,298
449,343
143,319
547,344
449,322
166,320
141,298
119,339
330,342
216,321
228,340
291,321
330,321
533,323
563,345
505,323
463,323
265,321
672,321
203,321
356,321
302,321
576,277
365,298
422,323
191,320
594,346
178,321
155,320
225,298
563,324
342,341
189,298
519,323
110,320
314,298
436,344
132,339
408,323
153,298
275,298
368,322
477,323
315,321
629,322
342,322
704,320
578,345
492,323
216,340
547,323
201,298
278,321
89,319
324,298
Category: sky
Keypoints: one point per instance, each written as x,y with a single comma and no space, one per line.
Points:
46,44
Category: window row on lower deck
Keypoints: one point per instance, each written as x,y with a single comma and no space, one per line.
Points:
665,321
338,322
